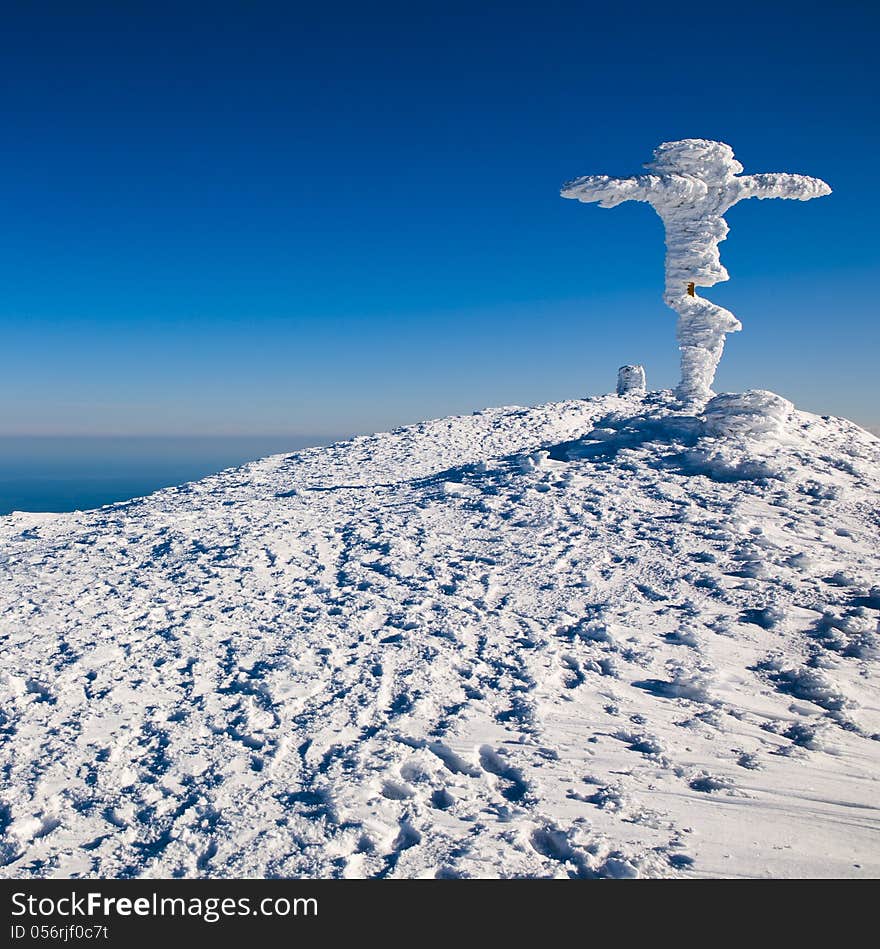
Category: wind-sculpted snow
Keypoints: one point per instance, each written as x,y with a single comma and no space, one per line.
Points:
693,185
601,638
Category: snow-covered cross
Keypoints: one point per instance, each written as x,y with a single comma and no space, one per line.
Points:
693,183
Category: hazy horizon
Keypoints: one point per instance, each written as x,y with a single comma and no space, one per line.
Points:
44,473
871,421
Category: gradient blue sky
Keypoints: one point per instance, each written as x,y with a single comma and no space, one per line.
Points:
267,218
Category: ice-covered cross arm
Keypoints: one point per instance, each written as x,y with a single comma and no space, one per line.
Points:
608,191
781,185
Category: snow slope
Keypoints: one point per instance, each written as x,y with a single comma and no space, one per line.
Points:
597,638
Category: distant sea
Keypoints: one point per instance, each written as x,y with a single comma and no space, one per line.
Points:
45,473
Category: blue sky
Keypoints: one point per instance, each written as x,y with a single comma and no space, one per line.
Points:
263,218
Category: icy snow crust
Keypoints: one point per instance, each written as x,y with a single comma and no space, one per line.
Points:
693,184
599,638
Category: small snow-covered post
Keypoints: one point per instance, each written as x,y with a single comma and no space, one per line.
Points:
631,379
693,183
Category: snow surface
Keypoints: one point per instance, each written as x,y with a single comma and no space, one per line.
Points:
696,182
598,638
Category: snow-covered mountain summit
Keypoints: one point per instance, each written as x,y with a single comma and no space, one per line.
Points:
592,638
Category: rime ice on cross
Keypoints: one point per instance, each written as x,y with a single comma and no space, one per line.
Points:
693,184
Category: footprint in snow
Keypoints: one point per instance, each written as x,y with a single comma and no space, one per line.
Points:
396,790
513,786
711,784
